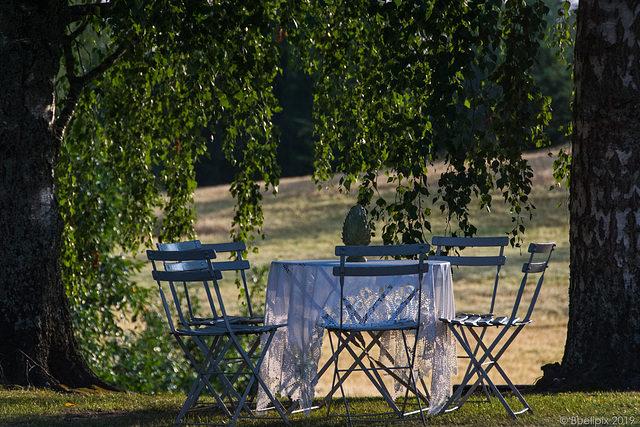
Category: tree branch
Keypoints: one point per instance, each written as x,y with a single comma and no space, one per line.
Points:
78,83
72,36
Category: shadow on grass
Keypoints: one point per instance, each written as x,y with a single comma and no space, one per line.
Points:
147,417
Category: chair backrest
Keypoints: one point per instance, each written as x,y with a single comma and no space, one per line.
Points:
238,264
532,269
186,266
180,246
232,248
415,266
446,245
172,268
183,246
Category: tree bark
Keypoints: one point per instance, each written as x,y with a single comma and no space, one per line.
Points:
37,345
603,337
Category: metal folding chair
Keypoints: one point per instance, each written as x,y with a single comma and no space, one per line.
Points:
363,321
226,356
465,328
486,253
235,263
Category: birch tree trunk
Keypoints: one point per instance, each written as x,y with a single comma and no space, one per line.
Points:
603,338
37,345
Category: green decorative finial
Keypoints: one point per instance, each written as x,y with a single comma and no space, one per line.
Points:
356,230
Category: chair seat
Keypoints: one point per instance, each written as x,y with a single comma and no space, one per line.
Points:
240,329
209,331
240,320
483,320
409,324
220,329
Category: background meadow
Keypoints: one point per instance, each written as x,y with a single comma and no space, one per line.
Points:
302,222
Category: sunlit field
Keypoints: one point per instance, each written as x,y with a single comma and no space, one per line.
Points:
302,222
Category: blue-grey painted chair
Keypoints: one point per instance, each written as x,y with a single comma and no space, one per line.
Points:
227,352
480,254
355,334
469,332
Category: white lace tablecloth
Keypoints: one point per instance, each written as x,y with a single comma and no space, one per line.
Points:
305,295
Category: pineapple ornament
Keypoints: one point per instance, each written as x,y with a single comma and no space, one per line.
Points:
356,230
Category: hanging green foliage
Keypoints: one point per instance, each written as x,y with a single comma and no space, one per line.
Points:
405,85
400,86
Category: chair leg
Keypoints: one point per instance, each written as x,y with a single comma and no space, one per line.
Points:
202,379
344,338
334,356
191,400
215,356
337,380
494,363
412,379
471,368
409,383
348,341
240,370
229,393
477,368
376,381
476,348
457,397
375,341
255,369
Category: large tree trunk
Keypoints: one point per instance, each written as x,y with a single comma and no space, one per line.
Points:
603,338
37,345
